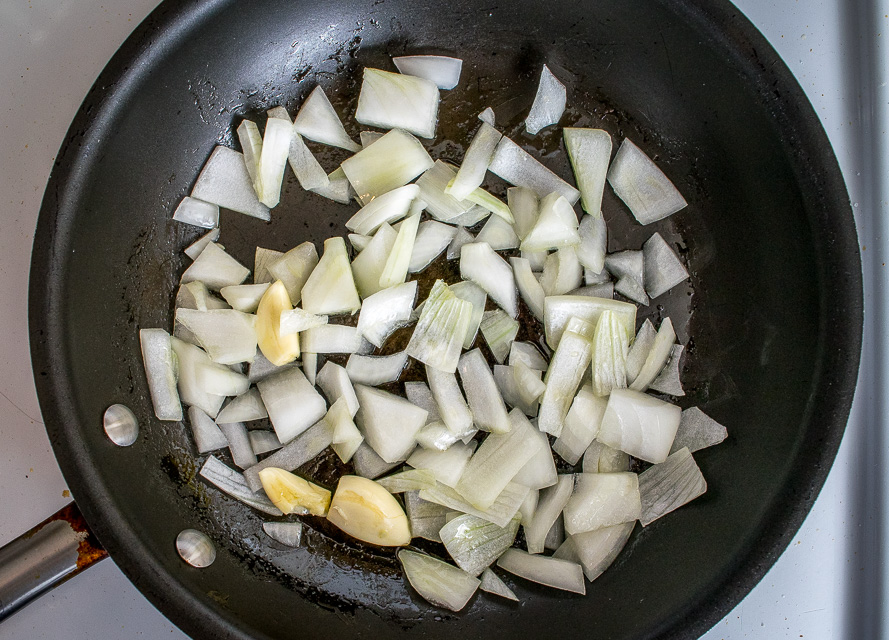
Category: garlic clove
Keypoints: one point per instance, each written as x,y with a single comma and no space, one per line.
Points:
278,349
365,510
292,494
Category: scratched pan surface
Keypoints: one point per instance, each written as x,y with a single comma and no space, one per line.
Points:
773,304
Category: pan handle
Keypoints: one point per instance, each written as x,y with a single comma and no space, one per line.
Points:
56,549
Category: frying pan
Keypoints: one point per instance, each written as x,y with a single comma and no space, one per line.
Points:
771,317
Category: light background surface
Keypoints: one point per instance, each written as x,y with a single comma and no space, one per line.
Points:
826,585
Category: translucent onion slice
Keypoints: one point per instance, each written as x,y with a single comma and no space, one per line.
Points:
389,207
519,168
639,425
292,494
487,115
540,471
528,383
293,454
394,101
499,331
330,289
251,144
499,234
188,358
500,513
294,268
410,480
228,336
472,217
549,508
345,437
627,267
505,380
435,435
479,263
366,511
668,380
642,186
449,399
491,203
333,338
426,518
317,120
558,311
433,190
556,226
232,483
418,393
536,259
335,384
475,162
482,394
602,500
310,366
195,295
441,329
369,137
389,422
216,269
367,267
224,181
596,550
239,444
491,583
640,349
657,356
602,290
549,103
441,70
593,242
697,431
524,205
287,533
386,311
375,370
359,242
195,248
308,171
447,466
566,370
272,161
244,408
663,270
244,297
529,287
368,464
261,368
609,363
207,435
590,153
432,239
561,272
581,425
217,379
292,402
551,572
667,486
338,188
529,354
600,458
474,294
398,262
296,320
197,212
475,543
390,162
461,237
440,583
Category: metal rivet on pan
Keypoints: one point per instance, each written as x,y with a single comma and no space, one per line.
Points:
195,548
121,425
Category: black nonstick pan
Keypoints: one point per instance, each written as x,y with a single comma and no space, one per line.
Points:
771,316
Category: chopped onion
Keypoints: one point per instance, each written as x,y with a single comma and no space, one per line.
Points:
251,143
475,543
529,287
697,431
460,238
330,289
527,382
432,239
519,168
195,248
389,207
479,263
219,380
435,435
474,294
499,331
418,393
555,227
368,464
332,338
590,153
536,259
487,115
527,353
376,370
233,484
499,235
475,162
385,311
441,70
410,480
482,394
287,533
367,267
272,161
308,171
642,185
566,370
627,267
549,507
493,584
639,425
602,500
394,101
317,120
529,506
294,268
338,188
551,572
433,190
296,320
292,402
667,380
197,212
491,203
261,368
558,311
440,583
228,336
581,425
452,407
216,269
310,366
195,295
657,356
663,270
426,518
293,454
639,351
345,437
188,358
540,471
601,290
609,363
600,458
389,422
224,181
447,466
244,297
398,262
593,243
472,217
244,408
524,205
369,137
239,444
335,384
390,162
359,242
500,513
207,435
263,441
561,272
667,486
549,103
441,329
505,380
596,550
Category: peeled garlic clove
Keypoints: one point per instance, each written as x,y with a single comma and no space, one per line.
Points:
278,349
365,510
292,494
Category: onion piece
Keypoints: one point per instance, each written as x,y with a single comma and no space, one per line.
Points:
432,239
558,311
292,402
292,494
491,583
475,162
228,336
667,486
369,137
219,380
308,171
388,207
389,422
668,380
345,437
376,370
536,259
195,248
440,583
330,289
581,425
224,181
471,218
639,351
602,500
295,320
239,444
479,263
527,353
663,270
310,366
410,480
639,425
602,290
549,103
272,161
195,295
657,357
521,169
590,153
642,185
398,262
499,331
207,435
600,458
500,513
441,329
461,237
197,212
359,242
332,338
394,101
474,294
216,269
441,70
317,120
447,466
293,454
551,572
555,227
540,471
549,508
435,435
232,483
529,287
389,163
335,384
482,394
433,190
244,408
244,297
504,377
261,368
528,383
697,431
499,234
188,358
496,462
338,188
367,267
475,543
263,442
287,533
426,518
418,393
449,399
385,311
566,370
524,205
596,550
609,363
593,243
294,268
561,272
627,266
368,464
491,203
251,144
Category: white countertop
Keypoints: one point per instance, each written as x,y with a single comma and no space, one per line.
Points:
825,584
